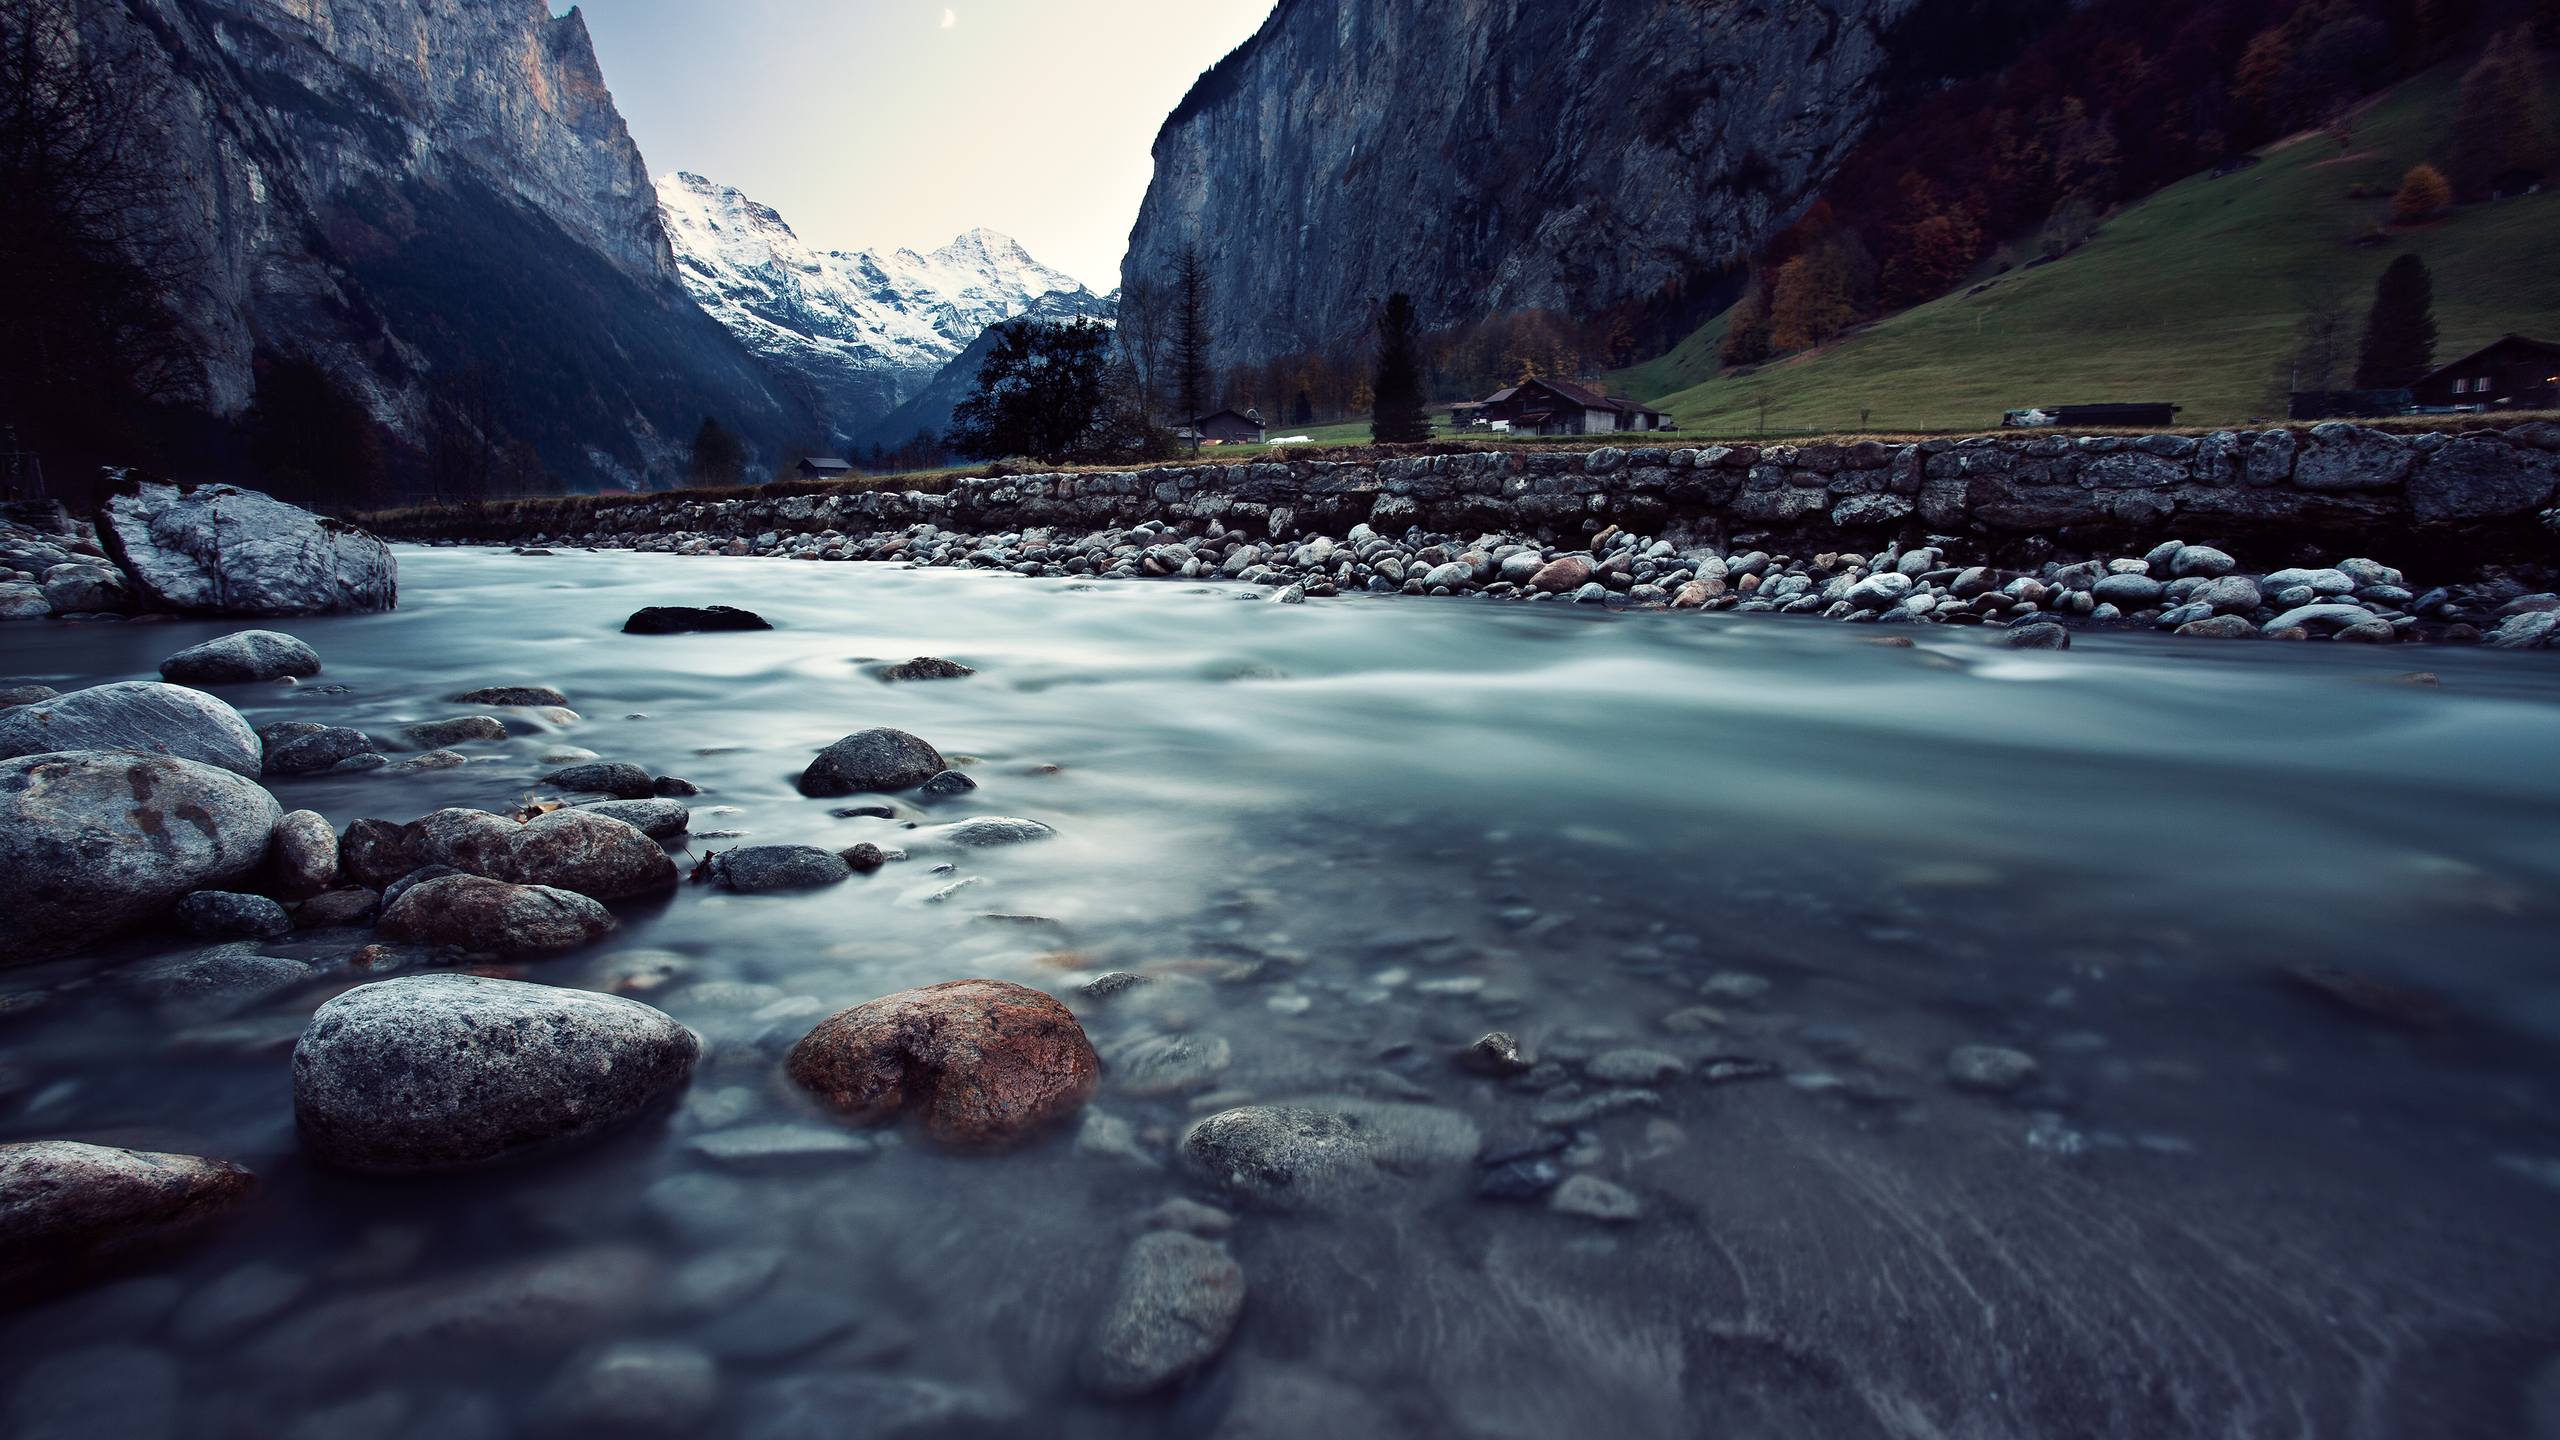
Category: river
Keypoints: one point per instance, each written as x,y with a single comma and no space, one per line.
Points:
1350,837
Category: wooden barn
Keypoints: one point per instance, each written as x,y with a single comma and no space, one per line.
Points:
1560,407
2514,372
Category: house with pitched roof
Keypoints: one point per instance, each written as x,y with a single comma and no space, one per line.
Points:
1560,407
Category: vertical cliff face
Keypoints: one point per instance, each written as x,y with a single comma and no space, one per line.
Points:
420,195
1496,155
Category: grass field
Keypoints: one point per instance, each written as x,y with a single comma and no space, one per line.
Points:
2190,296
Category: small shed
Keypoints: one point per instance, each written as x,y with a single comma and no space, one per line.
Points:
2513,372
822,467
1229,427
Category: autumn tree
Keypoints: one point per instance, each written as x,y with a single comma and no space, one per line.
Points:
2500,123
1395,406
1746,328
2399,345
2424,194
1056,391
1815,299
717,458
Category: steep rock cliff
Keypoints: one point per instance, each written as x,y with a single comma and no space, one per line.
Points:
413,193
1498,155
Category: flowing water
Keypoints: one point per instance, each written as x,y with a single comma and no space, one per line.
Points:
1349,838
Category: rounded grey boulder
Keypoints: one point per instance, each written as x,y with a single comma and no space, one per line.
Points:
1172,1311
618,778
753,869
304,858
473,912
231,915
306,747
95,842
657,819
447,1072
2043,635
595,855
70,1211
223,550
876,759
244,657
1322,1154
511,695
143,716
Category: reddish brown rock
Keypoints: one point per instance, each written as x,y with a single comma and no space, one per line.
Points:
484,916
1563,575
984,1062
70,1212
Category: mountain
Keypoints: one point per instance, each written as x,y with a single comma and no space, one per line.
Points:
425,200
857,333
1520,154
928,411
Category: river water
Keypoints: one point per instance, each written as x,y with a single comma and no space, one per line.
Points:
1348,838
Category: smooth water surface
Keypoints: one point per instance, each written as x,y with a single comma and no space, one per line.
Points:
1349,837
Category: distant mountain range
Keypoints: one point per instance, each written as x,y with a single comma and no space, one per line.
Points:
857,334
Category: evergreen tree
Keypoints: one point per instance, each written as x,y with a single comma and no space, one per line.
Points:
2400,331
1395,413
1303,412
718,458
1191,344
1059,393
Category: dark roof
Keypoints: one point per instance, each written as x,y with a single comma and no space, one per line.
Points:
2524,340
1245,416
826,462
1582,395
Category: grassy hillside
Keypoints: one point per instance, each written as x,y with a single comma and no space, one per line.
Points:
2190,296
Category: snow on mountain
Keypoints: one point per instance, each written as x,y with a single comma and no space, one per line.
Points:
860,331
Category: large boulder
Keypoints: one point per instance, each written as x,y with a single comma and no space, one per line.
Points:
755,869
876,759
985,1062
303,861
142,716
86,585
1174,1306
93,843
446,1072
222,550
69,1211
475,913
1323,1154
307,747
595,855
243,657
686,619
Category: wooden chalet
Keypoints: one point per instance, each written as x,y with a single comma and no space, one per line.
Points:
2514,372
1560,407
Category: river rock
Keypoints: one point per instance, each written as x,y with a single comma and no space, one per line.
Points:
222,550
86,586
617,778
657,819
70,1212
22,601
1992,1069
1171,1311
1322,1154
755,869
985,1062
1593,1198
925,667
373,853
684,619
473,841
231,915
302,856
306,747
243,657
528,1308
460,730
446,1072
2219,627
515,695
2319,617
352,905
475,913
13,696
979,832
2128,592
2043,635
595,855
876,759
142,716
93,843
1562,575
630,1388
216,983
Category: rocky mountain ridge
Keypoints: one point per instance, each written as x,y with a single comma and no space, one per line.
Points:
410,194
861,332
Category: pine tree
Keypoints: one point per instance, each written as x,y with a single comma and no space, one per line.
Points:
1191,344
2400,331
1395,413
718,458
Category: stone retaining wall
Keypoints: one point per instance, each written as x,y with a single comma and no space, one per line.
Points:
2482,495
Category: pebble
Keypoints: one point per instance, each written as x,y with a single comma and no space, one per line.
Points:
1593,1198
1990,1069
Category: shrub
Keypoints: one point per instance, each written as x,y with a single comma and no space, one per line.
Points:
2424,194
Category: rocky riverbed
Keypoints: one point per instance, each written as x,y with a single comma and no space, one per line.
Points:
977,1004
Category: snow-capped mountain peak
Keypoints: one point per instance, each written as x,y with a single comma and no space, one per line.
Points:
866,328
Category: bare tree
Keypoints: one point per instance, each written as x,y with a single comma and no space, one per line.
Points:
1142,337
94,260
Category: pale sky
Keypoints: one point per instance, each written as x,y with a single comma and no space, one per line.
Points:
880,123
